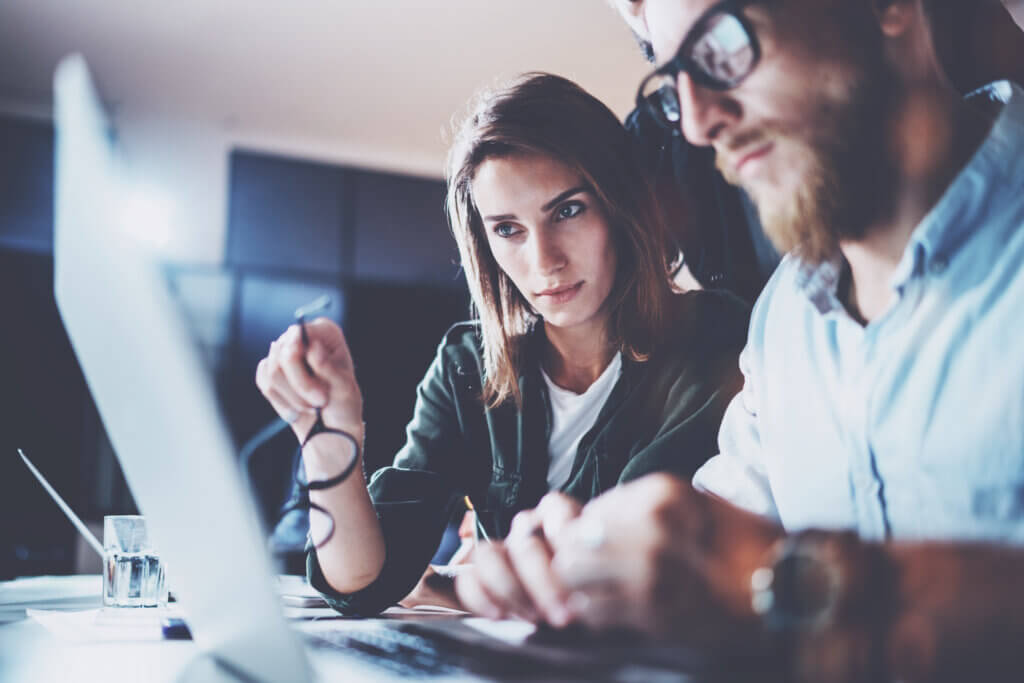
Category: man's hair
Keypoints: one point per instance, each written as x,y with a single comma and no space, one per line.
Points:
543,114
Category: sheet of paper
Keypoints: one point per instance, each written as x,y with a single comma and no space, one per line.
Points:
103,625
48,592
511,631
35,589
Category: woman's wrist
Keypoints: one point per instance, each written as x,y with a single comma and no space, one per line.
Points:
323,464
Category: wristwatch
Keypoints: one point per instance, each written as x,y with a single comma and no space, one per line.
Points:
801,583
827,598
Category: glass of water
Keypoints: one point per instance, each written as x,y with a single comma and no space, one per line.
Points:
133,575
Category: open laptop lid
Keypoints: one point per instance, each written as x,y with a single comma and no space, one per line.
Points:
157,402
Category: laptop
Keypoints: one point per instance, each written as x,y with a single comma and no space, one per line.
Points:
158,405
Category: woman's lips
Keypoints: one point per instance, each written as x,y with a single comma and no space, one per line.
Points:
561,295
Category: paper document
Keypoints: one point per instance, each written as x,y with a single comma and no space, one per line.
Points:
49,592
104,624
33,590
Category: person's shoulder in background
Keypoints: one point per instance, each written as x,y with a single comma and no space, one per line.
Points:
711,222
709,320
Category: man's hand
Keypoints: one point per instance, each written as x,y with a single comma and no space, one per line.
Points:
514,578
657,556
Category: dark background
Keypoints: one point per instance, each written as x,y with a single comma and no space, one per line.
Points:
378,243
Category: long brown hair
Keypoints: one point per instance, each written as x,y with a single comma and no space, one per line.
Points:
544,114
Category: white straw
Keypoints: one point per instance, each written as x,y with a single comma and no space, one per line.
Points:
79,524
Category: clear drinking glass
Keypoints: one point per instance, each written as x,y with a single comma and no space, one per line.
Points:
133,575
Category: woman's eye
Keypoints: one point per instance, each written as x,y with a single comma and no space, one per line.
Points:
570,210
505,230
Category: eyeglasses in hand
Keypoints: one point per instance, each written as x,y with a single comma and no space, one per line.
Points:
326,456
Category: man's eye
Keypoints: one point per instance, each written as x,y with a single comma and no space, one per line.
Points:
505,230
570,210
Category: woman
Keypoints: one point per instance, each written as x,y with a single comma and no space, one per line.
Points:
583,370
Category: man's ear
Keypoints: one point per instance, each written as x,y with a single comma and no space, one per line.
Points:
895,17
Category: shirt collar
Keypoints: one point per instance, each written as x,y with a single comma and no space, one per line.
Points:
957,212
820,282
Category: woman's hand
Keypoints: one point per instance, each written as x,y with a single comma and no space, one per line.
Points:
296,380
436,588
514,578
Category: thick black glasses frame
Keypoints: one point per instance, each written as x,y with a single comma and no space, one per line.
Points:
682,61
319,427
300,499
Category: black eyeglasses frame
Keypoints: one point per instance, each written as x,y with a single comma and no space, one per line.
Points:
681,61
300,496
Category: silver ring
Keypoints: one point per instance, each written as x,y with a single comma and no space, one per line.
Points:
290,417
592,534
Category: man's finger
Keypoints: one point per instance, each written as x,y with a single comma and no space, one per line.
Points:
474,598
600,608
555,511
500,580
523,524
579,568
531,558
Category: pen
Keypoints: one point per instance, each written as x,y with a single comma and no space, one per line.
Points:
476,517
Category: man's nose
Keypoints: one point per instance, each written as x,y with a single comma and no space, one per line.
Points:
704,113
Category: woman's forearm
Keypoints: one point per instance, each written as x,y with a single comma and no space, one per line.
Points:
353,556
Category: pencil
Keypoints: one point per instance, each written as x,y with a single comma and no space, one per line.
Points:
476,517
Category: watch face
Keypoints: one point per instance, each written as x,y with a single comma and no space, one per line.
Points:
805,589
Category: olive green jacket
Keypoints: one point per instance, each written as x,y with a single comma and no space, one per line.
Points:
662,416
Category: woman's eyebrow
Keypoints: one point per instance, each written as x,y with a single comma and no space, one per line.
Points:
547,207
565,195
501,217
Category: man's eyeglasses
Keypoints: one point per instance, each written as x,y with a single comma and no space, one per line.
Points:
326,456
720,50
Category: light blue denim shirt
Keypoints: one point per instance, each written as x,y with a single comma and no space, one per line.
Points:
911,427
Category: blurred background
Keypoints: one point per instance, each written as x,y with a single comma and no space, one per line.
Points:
279,151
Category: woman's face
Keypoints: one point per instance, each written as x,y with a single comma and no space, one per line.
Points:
549,234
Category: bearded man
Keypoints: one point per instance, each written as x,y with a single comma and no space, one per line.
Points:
866,510
714,224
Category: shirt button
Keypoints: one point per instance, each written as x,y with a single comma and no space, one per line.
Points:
937,266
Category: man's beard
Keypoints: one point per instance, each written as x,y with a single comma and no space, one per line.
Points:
847,181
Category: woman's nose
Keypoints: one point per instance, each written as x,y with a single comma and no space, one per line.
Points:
549,256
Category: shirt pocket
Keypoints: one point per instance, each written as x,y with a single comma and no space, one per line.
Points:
999,502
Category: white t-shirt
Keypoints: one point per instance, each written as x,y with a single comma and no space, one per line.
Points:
572,416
